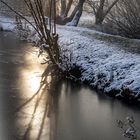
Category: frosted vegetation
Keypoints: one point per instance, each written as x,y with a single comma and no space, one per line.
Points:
129,128
103,64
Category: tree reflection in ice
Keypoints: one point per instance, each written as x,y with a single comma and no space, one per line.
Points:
32,115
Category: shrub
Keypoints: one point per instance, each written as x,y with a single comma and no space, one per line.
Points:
125,18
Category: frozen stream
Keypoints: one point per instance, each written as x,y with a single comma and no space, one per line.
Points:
78,113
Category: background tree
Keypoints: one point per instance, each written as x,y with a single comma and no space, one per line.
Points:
125,18
18,5
66,11
101,8
73,18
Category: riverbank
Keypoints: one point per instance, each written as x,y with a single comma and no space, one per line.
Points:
7,24
110,64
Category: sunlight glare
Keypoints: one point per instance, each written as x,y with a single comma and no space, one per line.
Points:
32,116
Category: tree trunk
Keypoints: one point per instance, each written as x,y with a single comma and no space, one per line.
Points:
77,15
100,12
68,7
63,7
99,20
74,17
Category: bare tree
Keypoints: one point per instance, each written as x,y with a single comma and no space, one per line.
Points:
125,17
101,8
48,37
18,5
75,15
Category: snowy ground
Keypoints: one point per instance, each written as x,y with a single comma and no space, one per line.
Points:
7,23
102,60
103,64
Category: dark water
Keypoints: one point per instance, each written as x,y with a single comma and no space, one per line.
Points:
82,114
77,112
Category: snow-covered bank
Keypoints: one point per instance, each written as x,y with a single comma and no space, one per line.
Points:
103,65
7,24
101,61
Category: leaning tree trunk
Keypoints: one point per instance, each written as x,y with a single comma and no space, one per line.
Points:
68,8
77,15
73,19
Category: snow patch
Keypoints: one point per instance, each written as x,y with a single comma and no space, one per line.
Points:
7,24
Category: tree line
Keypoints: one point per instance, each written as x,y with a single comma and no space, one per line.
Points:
120,17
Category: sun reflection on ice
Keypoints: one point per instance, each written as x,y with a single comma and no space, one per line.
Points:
32,119
34,83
